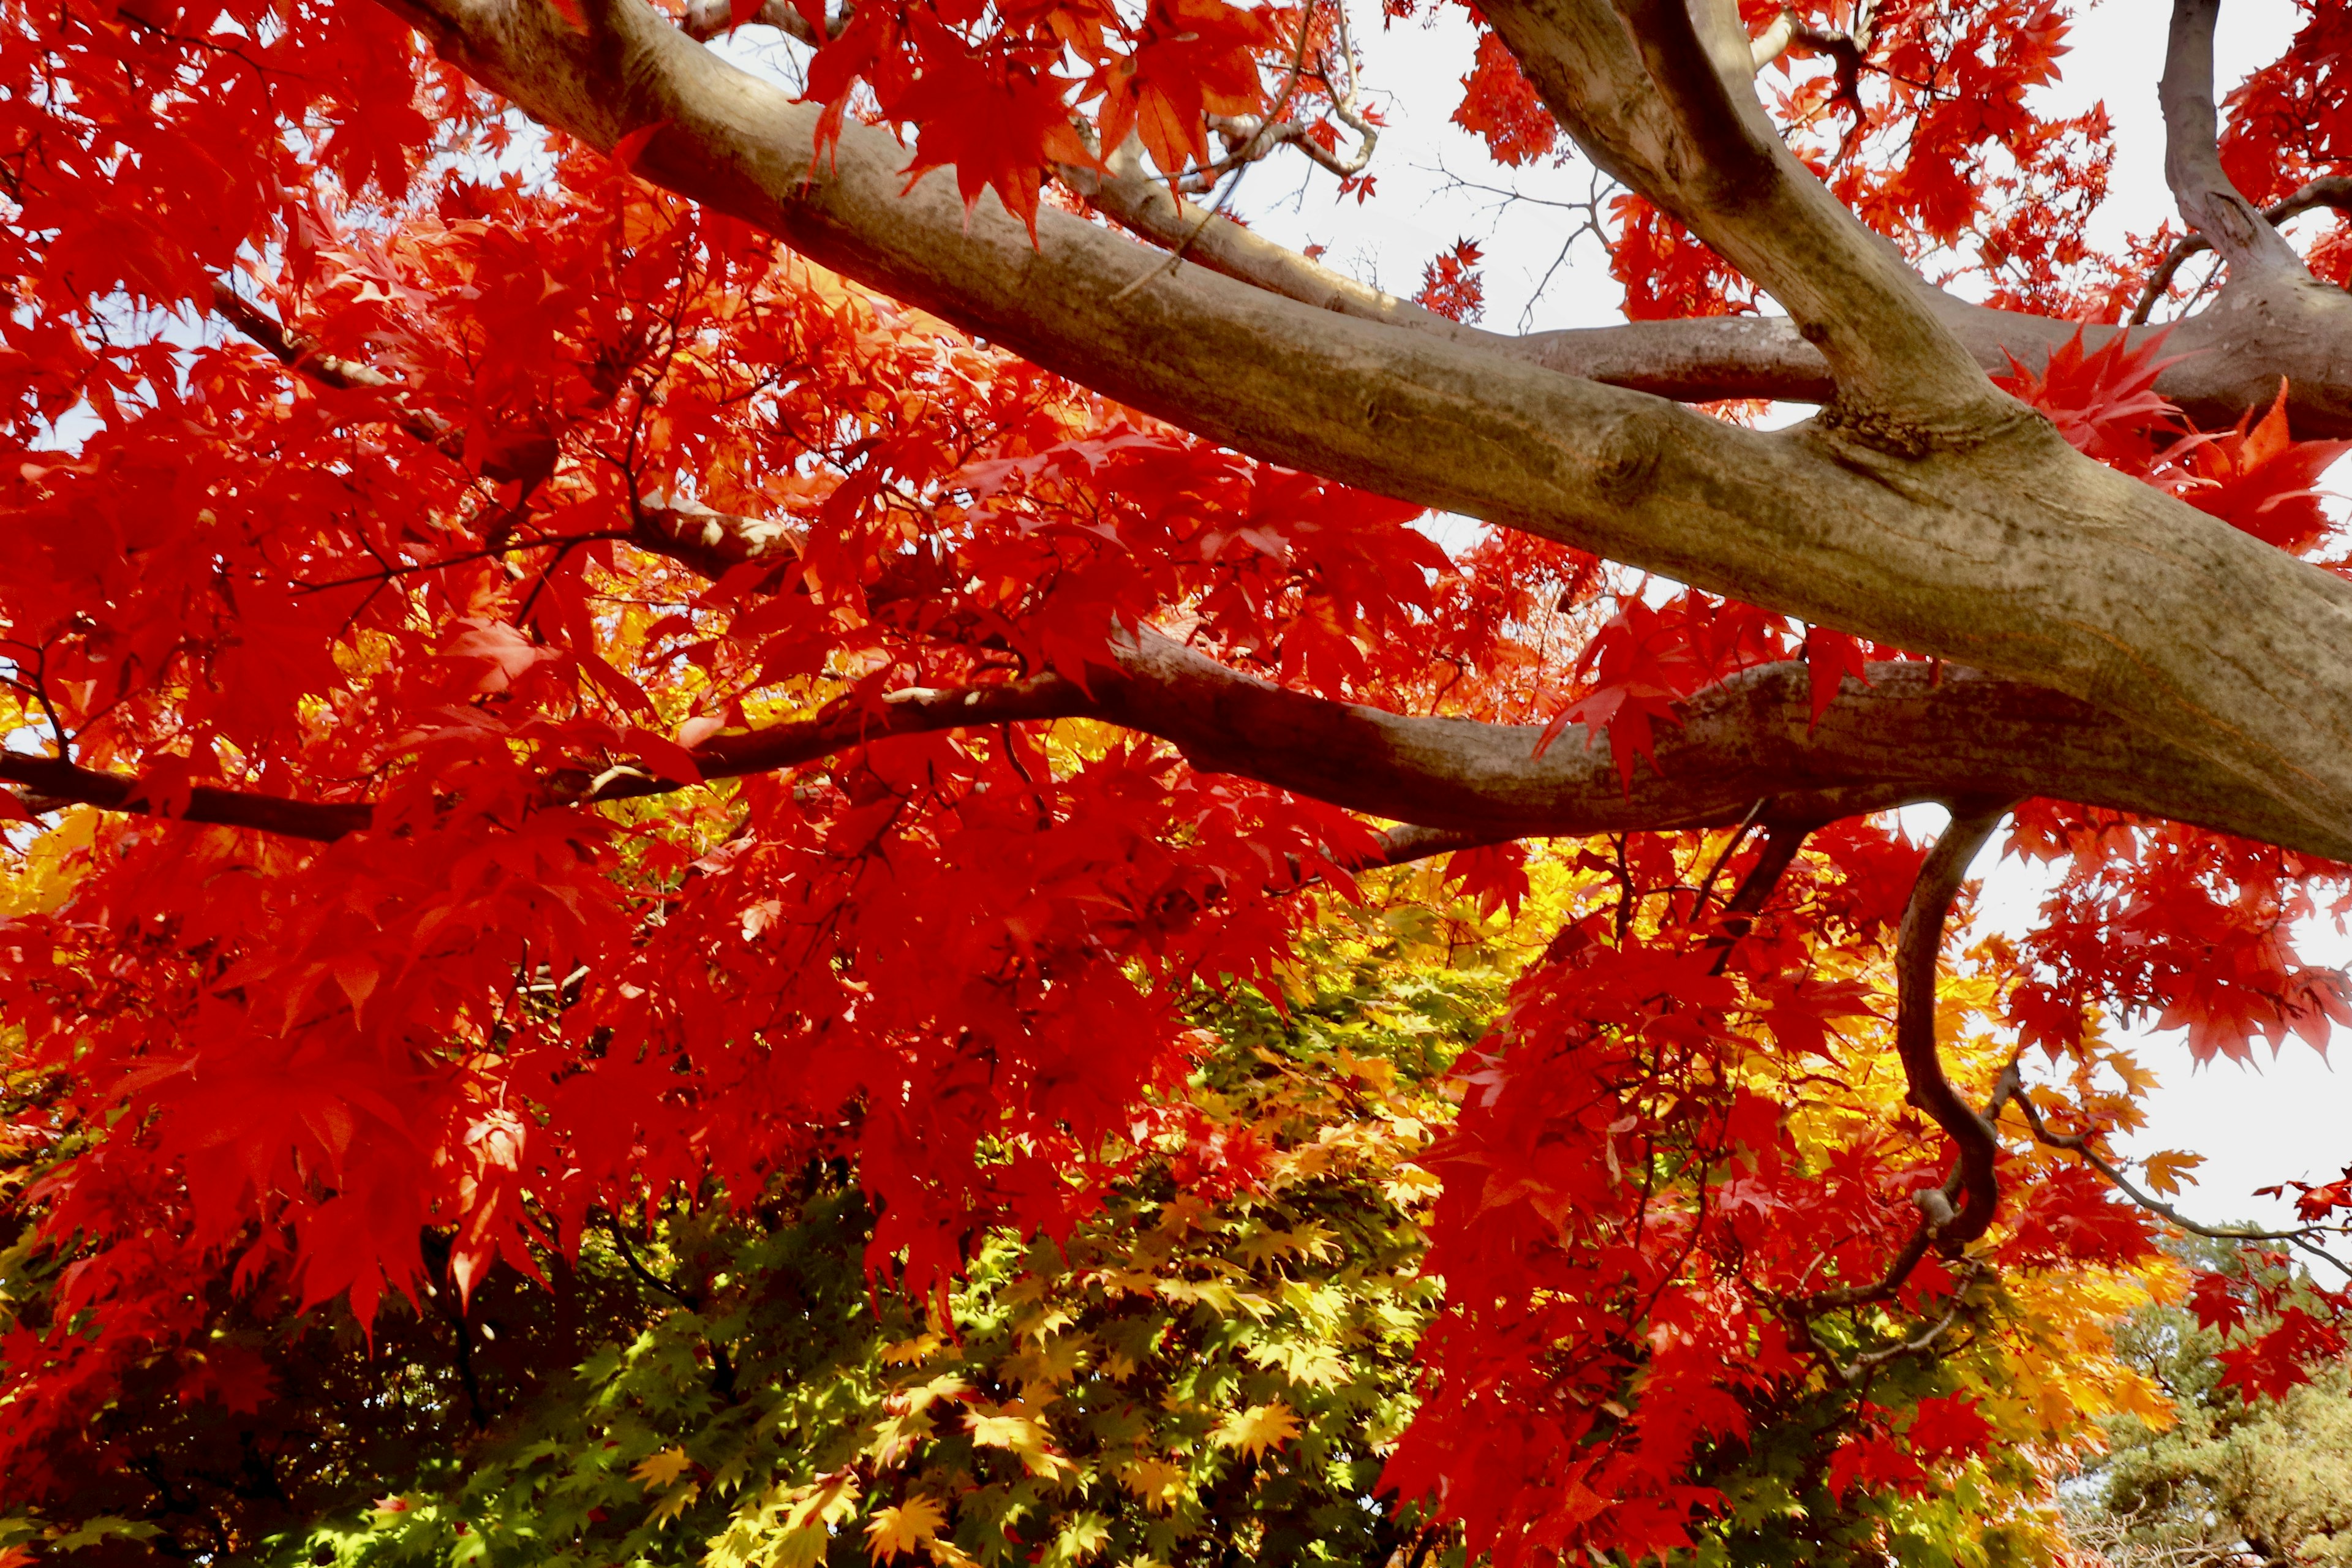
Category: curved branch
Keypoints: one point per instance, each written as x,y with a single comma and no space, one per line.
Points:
1916,949
2208,201
2080,1143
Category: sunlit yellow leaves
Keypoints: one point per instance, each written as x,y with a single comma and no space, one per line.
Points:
1128,1282
1086,1535
896,1437
39,880
1014,1432
1155,1482
1261,1245
1411,1187
675,1501
1305,1361
658,1470
1023,1436
1048,1365
893,1531
918,1398
1254,1431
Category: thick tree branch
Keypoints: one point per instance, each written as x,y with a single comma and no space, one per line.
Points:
1909,735
2328,191
2224,370
2016,555
1917,949
1664,100
2192,160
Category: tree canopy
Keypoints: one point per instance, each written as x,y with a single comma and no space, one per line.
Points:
752,819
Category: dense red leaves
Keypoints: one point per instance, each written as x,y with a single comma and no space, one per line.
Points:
1632,1220
2291,121
2257,478
418,1052
1007,145
1648,656
1500,107
985,89
1191,58
2281,1326
283,1077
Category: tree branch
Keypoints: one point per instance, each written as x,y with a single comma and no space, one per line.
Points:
2192,160
2016,555
1917,947
2328,191
2226,368
1666,104
300,355
1910,735
1124,191
2080,1144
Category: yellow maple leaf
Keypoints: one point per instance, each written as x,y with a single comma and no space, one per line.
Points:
657,1470
1156,1482
800,1547
1014,1432
1256,1429
893,1531
2164,1171
1022,1435
676,1501
1303,1362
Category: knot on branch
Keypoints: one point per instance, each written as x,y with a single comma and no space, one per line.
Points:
1904,434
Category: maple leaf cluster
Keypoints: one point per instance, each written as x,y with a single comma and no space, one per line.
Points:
2291,123
983,92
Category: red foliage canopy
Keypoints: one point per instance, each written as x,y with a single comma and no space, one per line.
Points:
574,708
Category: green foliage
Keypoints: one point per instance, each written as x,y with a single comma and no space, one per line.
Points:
2273,1478
1182,1378
1209,1367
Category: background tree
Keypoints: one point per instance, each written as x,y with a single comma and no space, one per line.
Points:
2229,1475
575,711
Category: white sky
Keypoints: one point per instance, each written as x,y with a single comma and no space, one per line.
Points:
2290,1118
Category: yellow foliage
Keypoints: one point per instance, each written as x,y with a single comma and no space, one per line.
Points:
676,1501
892,1532
45,873
1256,1429
1153,1481
658,1470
